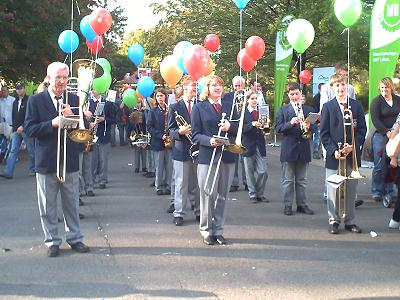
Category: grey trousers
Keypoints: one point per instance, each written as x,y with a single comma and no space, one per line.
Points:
294,182
100,161
256,174
348,205
139,156
163,164
235,181
150,160
47,190
186,187
87,174
212,208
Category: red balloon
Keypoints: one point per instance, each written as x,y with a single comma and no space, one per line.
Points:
211,42
196,61
305,76
245,61
96,45
255,47
100,20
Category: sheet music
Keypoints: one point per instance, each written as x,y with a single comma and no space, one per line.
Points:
312,117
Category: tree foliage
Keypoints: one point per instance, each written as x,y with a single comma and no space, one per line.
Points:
30,30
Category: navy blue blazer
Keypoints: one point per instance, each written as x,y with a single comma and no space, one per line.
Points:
205,122
293,147
181,148
39,113
253,137
332,131
104,128
156,127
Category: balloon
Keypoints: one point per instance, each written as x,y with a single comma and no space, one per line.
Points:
170,71
305,76
210,67
348,11
200,84
211,42
100,20
87,30
96,45
68,41
145,86
300,34
179,52
245,61
136,53
255,47
139,95
103,83
195,61
241,4
104,63
130,98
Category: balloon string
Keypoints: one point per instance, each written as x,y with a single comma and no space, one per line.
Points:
77,7
348,65
240,39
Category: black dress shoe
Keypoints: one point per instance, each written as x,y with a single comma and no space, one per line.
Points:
262,199
209,240
304,210
102,186
81,203
171,209
137,170
53,251
167,192
198,218
358,203
288,211
334,229
233,189
178,221
253,199
151,174
81,216
145,174
80,247
144,170
246,188
7,176
353,228
90,193
160,192
220,239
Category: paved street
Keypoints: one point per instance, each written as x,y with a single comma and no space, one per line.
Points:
137,252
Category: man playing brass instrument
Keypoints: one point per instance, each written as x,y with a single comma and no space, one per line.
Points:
185,169
337,140
41,122
295,151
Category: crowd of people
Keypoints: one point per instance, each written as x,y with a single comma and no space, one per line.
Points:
193,146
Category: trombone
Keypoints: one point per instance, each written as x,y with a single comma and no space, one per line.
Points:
86,70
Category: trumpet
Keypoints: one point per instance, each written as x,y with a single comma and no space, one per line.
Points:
182,122
305,132
264,120
167,139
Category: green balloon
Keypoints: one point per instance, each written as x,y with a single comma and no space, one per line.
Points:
130,98
103,83
348,11
300,34
104,63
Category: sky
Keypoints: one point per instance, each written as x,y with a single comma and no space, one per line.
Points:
139,13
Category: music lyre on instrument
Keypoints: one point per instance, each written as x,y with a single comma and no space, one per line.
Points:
305,132
263,119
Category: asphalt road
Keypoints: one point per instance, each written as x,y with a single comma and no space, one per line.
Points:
138,253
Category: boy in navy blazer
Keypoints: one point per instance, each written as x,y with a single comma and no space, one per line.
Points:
295,150
185,168
338,149
255,158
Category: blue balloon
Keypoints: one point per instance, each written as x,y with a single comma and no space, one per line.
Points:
145,86
241,4
179,53
136,54
200,84
179,63
68,41
87,30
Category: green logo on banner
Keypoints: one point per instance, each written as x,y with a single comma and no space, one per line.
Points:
283,42
390,19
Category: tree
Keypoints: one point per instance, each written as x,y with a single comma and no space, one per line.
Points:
30,30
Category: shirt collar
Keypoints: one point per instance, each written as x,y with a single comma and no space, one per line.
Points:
251,109
212,101
53,96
